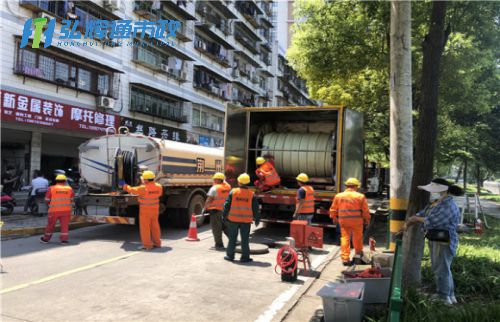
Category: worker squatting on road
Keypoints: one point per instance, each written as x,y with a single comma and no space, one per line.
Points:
267,174
149,209
59,197
216,197
240,209
304,206
350,210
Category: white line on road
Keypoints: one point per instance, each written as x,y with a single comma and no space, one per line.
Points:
72,271
284,297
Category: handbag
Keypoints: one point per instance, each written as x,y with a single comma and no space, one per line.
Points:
438,235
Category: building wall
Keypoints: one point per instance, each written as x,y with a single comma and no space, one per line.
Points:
41,142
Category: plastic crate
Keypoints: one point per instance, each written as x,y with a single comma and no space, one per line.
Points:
376,289
342,302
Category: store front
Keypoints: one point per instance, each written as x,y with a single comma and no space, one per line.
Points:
45,135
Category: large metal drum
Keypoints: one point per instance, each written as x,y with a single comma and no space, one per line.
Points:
294,153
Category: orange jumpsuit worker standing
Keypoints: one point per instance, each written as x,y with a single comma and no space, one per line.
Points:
268,176
149,209
59,197
350,210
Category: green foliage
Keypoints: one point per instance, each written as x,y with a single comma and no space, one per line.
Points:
341,48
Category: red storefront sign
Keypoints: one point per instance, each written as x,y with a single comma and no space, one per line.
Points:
41,112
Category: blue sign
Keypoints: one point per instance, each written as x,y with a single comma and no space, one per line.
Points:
72,31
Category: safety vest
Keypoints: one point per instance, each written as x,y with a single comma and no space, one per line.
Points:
60,198
350,205
308,204
149,198
271,175
221,193
241,206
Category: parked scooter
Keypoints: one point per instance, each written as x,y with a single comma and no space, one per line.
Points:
7,203
38,207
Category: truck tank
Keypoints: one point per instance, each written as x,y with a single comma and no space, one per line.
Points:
174,163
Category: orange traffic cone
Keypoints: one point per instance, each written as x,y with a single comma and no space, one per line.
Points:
193,231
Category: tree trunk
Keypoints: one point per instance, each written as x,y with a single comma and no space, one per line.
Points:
465,174
433,46
401,128
459,173
479,180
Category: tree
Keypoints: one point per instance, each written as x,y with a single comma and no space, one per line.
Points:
433,47
401,113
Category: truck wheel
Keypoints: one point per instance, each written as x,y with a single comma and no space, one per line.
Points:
195,206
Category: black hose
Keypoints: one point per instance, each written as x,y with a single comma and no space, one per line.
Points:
129,167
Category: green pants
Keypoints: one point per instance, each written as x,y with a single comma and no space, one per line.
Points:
244,229
217,227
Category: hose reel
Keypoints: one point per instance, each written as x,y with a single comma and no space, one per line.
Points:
126,167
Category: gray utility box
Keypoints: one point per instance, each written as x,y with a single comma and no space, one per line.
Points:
376,289
342,302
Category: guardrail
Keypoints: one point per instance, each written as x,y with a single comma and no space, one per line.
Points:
395,295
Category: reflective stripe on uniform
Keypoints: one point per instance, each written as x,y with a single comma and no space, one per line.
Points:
241,206
344,217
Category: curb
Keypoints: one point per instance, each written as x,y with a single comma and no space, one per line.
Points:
285,311
30,231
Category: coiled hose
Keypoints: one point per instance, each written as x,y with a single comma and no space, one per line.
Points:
128,169
287,260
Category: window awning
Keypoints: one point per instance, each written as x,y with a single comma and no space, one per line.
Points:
177,97
58,51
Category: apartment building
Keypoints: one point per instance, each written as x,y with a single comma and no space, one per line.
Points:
55,98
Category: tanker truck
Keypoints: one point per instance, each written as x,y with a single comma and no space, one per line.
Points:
184,170
325,142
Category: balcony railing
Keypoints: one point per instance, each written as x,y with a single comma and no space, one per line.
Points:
246,41
205,47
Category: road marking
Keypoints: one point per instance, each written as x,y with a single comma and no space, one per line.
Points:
284,297
72,271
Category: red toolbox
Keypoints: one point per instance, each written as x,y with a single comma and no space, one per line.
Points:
297,232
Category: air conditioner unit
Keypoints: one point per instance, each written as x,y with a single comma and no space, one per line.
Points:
44,15
105,102
164,68
111,4
184,76
235,73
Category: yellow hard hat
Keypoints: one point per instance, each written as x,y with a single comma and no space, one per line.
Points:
148,175
352,182
219,175
244,178
61,177
260,160
302,177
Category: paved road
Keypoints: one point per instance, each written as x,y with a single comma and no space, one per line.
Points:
101,276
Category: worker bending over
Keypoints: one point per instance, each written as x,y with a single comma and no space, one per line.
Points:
149,209
217,195
240,209
267,174
304,205
350,210
59,197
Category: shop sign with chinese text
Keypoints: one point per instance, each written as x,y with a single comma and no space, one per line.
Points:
41,112
155,130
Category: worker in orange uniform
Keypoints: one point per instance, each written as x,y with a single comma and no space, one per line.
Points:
304,205
350,210
268,176
217,195
149,209
59,197
240,209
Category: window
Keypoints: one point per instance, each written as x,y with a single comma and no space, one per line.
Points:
196,117
47,67
204,119
64,72
156,104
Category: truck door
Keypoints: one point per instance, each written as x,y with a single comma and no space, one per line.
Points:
235,143
352,146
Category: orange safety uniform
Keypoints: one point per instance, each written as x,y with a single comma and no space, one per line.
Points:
350,209
268,176
59,197
149,211
308,201
241,206
222,191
